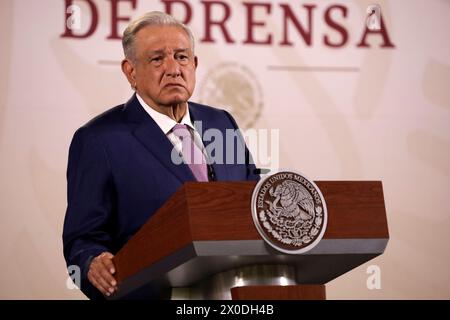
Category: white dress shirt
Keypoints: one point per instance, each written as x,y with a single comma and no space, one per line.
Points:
166,124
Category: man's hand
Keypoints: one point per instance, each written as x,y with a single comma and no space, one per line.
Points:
101,272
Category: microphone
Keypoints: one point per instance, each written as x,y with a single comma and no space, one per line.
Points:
211,173
261,171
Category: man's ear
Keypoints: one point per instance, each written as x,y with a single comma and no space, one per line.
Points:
130,72
196,62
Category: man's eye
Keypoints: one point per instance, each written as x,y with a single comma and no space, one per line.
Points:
156,59
182,57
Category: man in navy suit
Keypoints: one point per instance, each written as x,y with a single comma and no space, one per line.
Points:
121,166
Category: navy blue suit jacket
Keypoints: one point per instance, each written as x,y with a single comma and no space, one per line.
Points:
120,172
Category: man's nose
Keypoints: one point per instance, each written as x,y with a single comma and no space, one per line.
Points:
172,68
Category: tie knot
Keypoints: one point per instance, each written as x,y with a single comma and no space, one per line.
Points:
181,130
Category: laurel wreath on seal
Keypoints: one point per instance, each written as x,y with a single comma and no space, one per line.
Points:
292,217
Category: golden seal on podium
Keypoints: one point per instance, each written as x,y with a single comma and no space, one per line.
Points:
289,212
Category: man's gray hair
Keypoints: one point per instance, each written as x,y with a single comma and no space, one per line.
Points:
153,18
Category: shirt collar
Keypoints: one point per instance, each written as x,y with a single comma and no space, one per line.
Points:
163,121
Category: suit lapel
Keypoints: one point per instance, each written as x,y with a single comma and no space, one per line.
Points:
154,140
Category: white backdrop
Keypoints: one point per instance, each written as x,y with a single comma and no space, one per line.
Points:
346,113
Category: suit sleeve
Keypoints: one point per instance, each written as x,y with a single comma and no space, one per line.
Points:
249,163
90,204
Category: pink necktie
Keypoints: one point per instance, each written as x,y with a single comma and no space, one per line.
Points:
192,154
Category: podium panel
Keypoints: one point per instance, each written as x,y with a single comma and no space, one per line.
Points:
205,229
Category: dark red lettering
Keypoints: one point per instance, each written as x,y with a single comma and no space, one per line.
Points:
251,23
383,31
221,23
187,7
289,15
336,27
115,18
68,33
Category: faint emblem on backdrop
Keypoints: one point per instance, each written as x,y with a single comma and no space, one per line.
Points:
289,212
235,88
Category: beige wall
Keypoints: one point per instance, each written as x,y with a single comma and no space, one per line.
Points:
388,119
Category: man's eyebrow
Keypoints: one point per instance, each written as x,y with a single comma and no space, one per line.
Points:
152,52
181,50
162,51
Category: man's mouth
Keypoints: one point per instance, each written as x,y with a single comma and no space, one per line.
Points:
173,85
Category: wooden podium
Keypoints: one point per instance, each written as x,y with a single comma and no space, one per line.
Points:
203,243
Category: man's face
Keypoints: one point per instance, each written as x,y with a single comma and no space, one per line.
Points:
165,65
